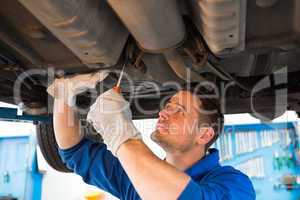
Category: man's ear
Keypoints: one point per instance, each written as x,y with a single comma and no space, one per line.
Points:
205,135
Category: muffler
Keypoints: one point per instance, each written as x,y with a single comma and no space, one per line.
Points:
89,28
158,27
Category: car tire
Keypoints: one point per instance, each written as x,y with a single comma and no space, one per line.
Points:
49,148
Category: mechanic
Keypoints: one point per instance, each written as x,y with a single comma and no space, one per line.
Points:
125,167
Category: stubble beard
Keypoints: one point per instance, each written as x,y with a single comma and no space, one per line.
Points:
167,145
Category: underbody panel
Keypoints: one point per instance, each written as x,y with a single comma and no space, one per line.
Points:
238,42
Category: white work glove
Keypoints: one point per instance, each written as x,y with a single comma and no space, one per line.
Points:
111,117
67,88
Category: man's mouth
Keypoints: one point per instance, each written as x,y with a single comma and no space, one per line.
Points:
161,126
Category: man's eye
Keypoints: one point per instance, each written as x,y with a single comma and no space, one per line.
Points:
180,110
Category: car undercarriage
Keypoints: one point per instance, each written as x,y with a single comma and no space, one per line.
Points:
247,49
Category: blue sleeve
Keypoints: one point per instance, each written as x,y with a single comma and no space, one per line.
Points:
228,186
97,166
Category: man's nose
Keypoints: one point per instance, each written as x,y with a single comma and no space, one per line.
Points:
163,114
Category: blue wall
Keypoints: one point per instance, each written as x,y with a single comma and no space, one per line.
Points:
254,148
19,176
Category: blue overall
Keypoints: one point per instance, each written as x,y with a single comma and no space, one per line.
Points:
210,181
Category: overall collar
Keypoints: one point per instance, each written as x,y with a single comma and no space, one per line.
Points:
207,163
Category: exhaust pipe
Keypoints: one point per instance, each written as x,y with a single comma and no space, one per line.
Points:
156,25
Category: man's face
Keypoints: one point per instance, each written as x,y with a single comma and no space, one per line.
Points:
177,126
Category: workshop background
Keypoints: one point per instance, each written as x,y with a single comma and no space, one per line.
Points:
268,153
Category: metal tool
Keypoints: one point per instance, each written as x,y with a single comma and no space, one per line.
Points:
117,88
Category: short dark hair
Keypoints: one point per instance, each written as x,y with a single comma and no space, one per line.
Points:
212,119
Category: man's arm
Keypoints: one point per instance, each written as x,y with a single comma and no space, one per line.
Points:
92,161
66,125
151,177
156,179
64,91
